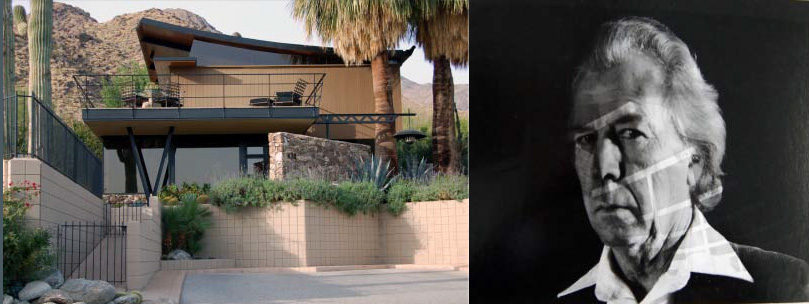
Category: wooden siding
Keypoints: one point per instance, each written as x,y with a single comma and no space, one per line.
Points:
346,90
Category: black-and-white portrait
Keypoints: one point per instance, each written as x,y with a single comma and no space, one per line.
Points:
649,142
642,152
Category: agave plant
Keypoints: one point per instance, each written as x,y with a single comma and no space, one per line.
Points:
373,171
419,171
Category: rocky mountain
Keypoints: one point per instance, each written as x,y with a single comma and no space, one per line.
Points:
418,98
82,45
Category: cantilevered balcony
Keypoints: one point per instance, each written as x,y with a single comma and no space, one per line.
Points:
200,103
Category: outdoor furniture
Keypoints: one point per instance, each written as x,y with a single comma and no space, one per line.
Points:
287,98
168,95
132,98
261,102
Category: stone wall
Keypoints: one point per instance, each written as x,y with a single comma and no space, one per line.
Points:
123,198
294,155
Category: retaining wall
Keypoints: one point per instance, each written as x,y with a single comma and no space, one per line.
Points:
60,199
143,251
307,234
434,233
291,236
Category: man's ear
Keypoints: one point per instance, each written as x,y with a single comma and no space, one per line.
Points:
695,168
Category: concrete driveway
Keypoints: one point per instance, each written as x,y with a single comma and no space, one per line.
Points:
356,286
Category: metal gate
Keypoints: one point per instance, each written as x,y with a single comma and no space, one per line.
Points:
92,251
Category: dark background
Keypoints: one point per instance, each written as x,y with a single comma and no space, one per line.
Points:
530,238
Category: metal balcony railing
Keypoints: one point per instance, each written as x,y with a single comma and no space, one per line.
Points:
33,130
200,90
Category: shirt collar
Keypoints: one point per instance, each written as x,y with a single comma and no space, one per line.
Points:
703,250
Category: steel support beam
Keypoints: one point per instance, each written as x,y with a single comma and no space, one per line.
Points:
137,156
326,119
166,150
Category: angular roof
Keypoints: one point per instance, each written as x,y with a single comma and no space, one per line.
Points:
160,39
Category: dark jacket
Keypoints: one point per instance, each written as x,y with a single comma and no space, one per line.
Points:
777,278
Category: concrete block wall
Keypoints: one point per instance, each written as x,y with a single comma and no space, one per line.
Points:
333,238
143,248
427,233
257,237
291,236
60,199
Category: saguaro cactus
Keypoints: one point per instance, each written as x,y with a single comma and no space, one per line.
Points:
20,20
8,50
40,29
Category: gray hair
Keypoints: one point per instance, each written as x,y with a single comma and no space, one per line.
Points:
690,99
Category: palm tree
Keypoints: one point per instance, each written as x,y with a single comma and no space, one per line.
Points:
442,30
362,31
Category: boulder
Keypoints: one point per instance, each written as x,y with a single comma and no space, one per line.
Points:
7,299
55,296
91,292
53,277
24,302
127,299
178,254
33,290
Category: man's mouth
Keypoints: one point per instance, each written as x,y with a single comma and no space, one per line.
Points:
612,208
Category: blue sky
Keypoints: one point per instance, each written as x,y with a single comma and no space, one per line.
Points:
264,20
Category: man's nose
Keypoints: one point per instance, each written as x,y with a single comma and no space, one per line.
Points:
609,160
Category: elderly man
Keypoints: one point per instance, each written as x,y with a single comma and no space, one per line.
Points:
649,140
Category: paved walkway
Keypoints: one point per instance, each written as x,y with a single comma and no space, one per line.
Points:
356,286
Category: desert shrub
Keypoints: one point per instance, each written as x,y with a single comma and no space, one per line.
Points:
400,193
232,194
423,148
442,187
347,197
353,197
184,225
112,88
26,250
87,137
171,194
320,191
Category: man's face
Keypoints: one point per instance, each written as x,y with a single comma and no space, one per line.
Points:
632,165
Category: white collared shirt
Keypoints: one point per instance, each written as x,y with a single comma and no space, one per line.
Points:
703,250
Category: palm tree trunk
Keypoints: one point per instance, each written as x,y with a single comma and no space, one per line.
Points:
446,157
385,148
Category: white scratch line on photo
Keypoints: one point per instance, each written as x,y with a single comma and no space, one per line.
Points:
601,122
663,164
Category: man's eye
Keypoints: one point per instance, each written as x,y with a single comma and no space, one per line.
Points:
630,134
586,141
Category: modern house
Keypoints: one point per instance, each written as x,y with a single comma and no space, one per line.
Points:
211,100
210,107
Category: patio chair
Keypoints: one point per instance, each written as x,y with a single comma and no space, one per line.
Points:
294,97
169,95
129,96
